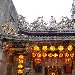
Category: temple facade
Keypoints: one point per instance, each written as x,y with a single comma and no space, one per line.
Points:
36,48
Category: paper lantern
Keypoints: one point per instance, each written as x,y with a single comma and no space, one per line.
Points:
38,60
60,48
67,60
66,55
60,55
33,55
55,55
38,54
50,54
44,48
20,61
70,47
52,48
44,55
20,71
21,56
20,66
36,48
72,55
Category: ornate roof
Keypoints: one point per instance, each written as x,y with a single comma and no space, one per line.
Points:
39,25
39,29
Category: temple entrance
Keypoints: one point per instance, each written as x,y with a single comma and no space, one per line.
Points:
52,70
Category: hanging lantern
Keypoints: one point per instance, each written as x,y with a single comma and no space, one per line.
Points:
55,55
44,48
52,48
71,55
20,71
67,60
44,55
20,61
21,56
20,66
60,55
70,47
38,54
33,55
66,55
36,48
60,48
50,54
38,60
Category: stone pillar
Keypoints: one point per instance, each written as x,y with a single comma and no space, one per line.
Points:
43,70
14,70
9,69
32,71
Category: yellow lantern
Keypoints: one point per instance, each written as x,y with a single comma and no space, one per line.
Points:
70,47
55,55
20,71
52,48
33,55
44,55
44,48
20,66
21,56
36,48
50,54
60,48
38,54
66,55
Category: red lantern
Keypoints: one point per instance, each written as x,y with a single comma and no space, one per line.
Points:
67,60
38,60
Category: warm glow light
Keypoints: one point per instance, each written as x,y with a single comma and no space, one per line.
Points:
44,48
44,55
50,54
72,55
21,56
60,48
33,55
38,55
20,66
36,48
52,48
20,61
61,55
37,60
20,71
70,47
55,55
67,60
66,55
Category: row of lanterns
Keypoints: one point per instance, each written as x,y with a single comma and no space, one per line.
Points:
52,48
53,55
20,64
39,60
